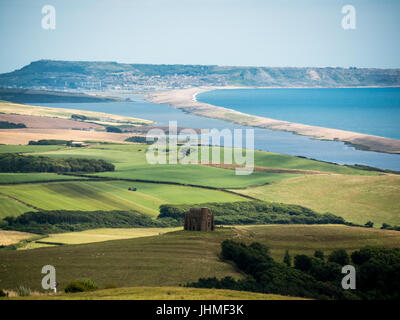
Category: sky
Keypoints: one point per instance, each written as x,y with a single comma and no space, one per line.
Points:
277,33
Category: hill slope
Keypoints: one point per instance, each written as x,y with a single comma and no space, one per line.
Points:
177,257
108,75
162,293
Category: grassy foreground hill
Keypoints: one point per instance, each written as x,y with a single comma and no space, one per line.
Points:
161,293
178,257
355,198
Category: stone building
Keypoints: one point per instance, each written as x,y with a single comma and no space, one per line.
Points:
199,219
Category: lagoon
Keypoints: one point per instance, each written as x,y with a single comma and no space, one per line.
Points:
266,140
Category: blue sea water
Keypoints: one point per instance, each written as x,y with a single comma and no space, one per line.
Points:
373,111
267,140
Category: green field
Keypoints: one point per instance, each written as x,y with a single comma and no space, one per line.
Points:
10,207
130,162
275,160
28,148
160,293
177,257
356,195
10,178
356,198
196,175
109,195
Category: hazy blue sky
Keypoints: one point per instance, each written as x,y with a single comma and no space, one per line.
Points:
224,32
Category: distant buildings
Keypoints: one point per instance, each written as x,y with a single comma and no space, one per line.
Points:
78,144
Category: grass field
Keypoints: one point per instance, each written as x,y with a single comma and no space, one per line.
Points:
110,195
10,207
275,160
9,178
196,175
130,162
10,237
356,195
160,293
128,156
356,198
177,257
28,148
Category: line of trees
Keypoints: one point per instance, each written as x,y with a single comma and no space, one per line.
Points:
49,142
13,162
11,125
377,275
58,221
253,212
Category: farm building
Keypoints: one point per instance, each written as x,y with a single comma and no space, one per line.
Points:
199,219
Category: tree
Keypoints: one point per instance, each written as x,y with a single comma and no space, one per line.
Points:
339,256
287,259
369,224
113,129
302,262
319,254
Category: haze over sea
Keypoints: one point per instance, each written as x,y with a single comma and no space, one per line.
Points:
373,111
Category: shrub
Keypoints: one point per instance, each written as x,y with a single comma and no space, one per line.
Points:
113,129
81,285
369,224
3,293
23,291
319,254
302,262
11,125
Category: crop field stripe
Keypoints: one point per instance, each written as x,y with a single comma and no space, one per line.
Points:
127,202
101,178
20,201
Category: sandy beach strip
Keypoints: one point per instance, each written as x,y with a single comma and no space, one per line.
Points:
185,99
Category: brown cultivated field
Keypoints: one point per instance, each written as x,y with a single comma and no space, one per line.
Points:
23,136
37,122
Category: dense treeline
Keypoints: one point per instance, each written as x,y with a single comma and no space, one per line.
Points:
57,221
48,142
13,162
11,125
253,212
377,275
139,139
113,129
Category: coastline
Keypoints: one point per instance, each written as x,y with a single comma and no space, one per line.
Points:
185,100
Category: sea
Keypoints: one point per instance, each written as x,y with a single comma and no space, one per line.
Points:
373,111
277,141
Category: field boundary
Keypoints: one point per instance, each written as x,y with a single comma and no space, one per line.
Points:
20,201
165,182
